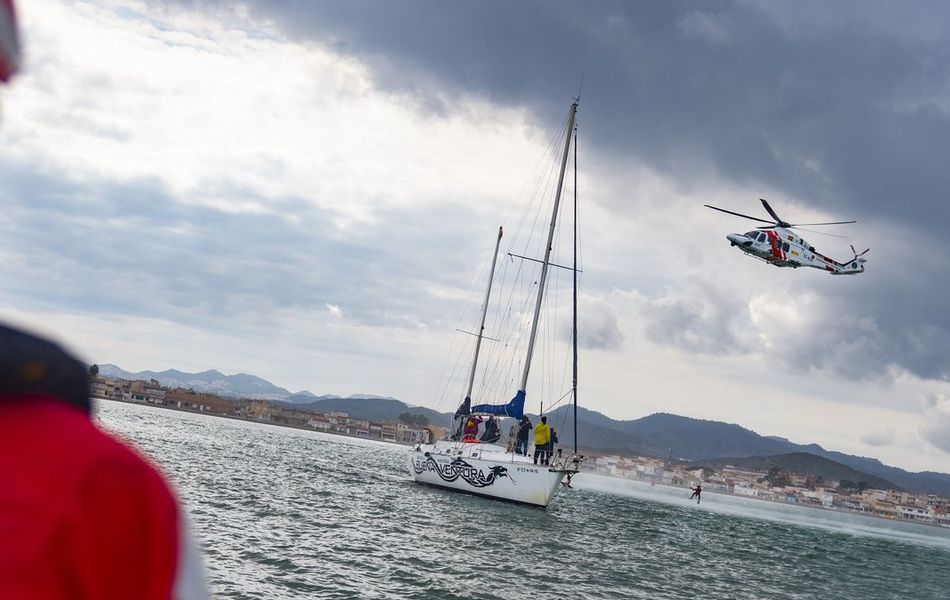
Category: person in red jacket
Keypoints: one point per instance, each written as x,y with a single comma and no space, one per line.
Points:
82,515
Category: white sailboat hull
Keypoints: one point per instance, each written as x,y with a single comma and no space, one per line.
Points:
487,470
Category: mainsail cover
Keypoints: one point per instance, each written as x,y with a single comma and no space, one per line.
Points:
514,409
465,408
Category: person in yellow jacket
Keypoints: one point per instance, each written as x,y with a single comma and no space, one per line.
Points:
542,435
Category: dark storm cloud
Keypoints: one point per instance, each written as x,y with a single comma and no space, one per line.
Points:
842,103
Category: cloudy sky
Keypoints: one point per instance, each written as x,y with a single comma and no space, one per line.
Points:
308,191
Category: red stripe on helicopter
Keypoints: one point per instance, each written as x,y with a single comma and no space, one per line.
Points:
776,244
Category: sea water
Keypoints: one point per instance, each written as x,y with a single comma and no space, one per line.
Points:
288,513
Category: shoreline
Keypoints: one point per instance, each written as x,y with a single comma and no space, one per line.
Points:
247,420
645,482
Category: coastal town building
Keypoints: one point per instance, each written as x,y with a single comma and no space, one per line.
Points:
804,489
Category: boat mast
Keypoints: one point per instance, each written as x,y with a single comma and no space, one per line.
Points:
574,336
547,251
481,327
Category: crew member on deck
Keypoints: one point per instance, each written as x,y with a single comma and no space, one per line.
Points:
542,436
491,434
512,436
471,428
521,447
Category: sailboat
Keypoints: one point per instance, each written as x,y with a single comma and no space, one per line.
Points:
468,464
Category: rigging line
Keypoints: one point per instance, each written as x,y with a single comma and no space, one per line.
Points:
542,190
539,214
549,323
519,332
555,318
523,197
552,149
544,185
558,401
445,381
540,187
495,372
486,382
530,204
574,294
452,377
443,387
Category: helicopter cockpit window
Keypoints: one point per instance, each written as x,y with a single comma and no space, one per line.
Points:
761,237
751,235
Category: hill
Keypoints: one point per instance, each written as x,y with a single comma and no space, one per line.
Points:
802,462
373,408
701,440
240,385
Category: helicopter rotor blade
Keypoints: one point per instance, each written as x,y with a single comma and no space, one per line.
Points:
737,214
813,224
772,212
842,237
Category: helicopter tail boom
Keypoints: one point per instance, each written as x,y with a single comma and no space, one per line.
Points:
851,267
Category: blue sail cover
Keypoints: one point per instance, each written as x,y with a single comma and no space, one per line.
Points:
514,409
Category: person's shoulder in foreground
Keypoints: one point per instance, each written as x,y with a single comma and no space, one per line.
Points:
82,515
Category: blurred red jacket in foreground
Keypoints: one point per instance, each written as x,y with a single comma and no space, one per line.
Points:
81,514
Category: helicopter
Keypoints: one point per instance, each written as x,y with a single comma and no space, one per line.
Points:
777,245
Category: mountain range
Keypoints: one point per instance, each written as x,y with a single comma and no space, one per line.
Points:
661,435
240,385
699,440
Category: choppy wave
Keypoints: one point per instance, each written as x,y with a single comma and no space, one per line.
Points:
286,513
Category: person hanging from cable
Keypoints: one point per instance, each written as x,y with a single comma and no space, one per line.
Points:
542,436
697,492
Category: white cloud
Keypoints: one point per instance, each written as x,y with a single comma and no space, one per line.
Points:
216,110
